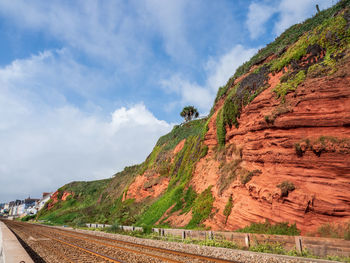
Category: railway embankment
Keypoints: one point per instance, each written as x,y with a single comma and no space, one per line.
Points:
317,246
64,244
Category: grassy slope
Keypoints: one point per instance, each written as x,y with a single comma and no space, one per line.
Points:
101,201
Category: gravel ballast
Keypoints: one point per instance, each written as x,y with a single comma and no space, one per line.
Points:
216,252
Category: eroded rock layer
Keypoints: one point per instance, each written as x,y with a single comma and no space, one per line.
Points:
318,113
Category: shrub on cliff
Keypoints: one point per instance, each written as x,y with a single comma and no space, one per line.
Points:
333,230
286,187
202,207
267,228
228,208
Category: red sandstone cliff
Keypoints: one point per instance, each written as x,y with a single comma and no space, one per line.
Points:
320,171
319,107
286,157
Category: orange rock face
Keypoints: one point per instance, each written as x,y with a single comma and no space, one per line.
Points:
179,147
150,184
319,108
147,186
55,198
65,195
286,162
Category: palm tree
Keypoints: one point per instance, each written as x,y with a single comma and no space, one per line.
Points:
189,112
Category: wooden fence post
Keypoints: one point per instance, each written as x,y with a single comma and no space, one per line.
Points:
298,244
183,235
247,240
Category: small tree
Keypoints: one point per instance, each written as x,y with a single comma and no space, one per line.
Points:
189,112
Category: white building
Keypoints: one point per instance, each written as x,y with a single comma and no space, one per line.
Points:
46,197
21,209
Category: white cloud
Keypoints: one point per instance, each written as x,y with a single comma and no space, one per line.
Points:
99,30
117,31
218,71
190,93
47,142
288,12
49,75
258,15
296,11
168,17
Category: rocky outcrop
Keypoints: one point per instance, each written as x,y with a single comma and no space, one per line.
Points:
56,197
274,139
147,186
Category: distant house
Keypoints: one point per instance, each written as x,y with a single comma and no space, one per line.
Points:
46,197
29,206
5,209
2,208
13,210
22,207
11,204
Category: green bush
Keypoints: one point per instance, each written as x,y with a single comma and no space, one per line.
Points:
275,248
27,218
147,229
228,208
286,187
205,128
212,243
231,112
245,178
204,151
220,128
268,228
333,230
222,91
283,88
201,209
181,173
189,198
79,222
180,132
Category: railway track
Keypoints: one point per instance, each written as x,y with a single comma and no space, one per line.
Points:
71,246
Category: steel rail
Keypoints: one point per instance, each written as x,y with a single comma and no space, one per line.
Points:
86,250
122,248
91,238
163,250
45,245
89,251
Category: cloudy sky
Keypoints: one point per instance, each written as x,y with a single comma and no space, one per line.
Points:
87,87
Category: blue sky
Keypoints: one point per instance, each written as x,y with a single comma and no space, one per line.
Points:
87,87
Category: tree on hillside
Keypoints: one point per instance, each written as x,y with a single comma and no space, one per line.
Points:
189,112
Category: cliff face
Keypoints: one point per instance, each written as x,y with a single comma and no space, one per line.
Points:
316,118
279,137
276,146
